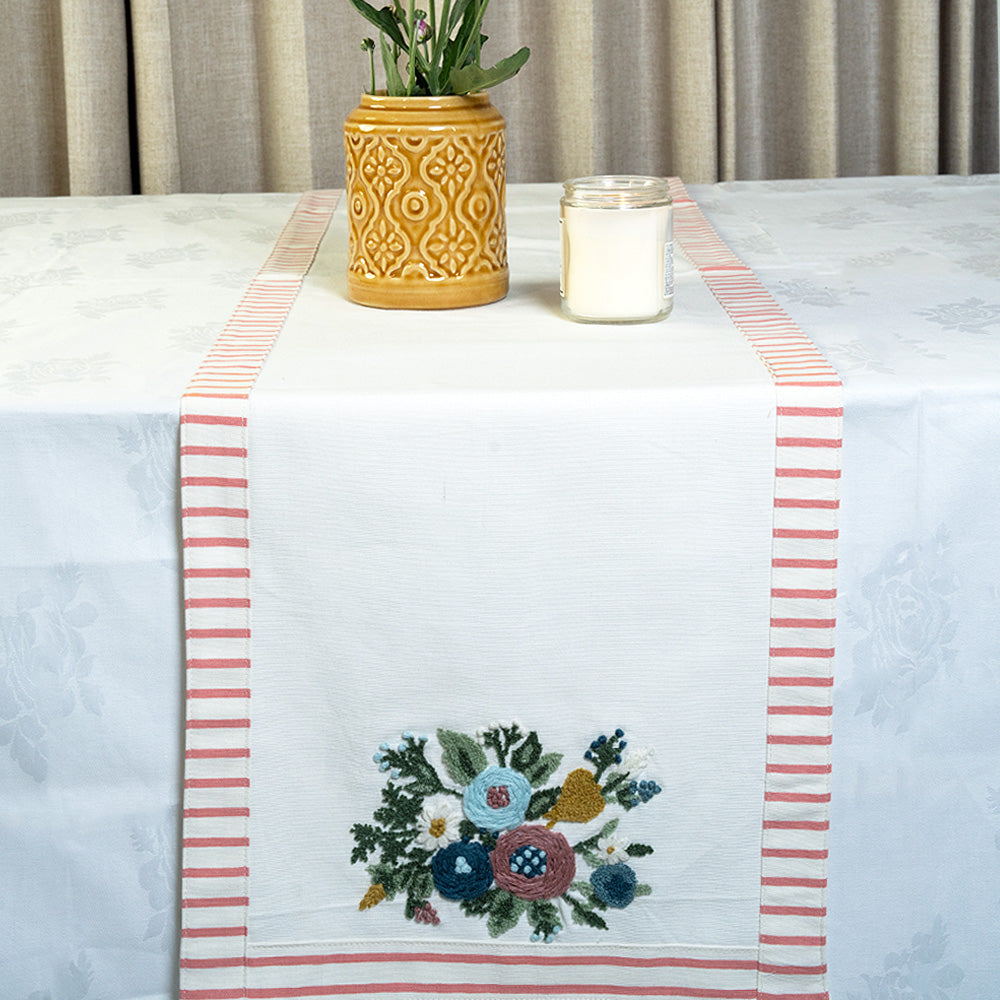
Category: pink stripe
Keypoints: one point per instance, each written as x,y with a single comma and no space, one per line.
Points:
213,450
200,663
782,852
795,940
800,681
216,753
241,872
781,563
803,622
799,768
216,543
795,592
799,710
809,442
216,842
217,724
216,782
815,741
810,411
214,481
221,573
795,502
215,512
217,633
199,932
469,989
832,533
803,651
794,911
217,602
796,797
200,902
218,692
796,824
213,420
216,811
793,970
808,473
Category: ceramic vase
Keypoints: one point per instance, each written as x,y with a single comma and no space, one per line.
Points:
426,202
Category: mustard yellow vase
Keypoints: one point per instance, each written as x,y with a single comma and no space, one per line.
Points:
426,201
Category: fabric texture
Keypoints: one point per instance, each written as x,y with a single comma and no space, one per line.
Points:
251,95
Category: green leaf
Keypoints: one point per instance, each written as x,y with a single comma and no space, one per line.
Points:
543,769
643,890
505,913
541,802
639,850
471,78
527,753
463,757
382,19
394,85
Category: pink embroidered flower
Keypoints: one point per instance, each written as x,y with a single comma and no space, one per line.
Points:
533,862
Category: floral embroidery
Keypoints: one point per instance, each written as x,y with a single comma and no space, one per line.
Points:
480,832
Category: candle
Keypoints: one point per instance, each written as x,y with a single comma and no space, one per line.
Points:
617,249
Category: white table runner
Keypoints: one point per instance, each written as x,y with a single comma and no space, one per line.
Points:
425,567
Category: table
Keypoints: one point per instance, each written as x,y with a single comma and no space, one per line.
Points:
894,280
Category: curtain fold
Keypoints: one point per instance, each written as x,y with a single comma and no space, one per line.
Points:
242,95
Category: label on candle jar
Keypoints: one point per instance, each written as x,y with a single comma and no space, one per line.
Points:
668,269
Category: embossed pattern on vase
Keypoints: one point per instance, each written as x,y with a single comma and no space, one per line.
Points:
426,209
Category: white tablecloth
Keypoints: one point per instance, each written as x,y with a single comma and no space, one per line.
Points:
107,307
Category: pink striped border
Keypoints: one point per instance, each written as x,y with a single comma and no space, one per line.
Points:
215,519
792,957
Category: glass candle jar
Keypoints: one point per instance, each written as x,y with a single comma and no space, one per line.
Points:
617,263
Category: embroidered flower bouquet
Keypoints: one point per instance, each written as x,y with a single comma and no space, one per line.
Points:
486,830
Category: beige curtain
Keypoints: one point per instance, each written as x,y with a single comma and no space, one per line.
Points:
109,96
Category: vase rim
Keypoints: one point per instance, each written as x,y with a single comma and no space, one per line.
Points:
424,102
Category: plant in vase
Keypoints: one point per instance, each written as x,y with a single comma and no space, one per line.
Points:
426,162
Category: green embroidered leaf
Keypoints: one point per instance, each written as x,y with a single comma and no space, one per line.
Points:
543,916
608,828
366,839
527,754
639,850
387,876
643,890
543,769
505,913
583,915
463,757
592,858
541,802
420,883
481,905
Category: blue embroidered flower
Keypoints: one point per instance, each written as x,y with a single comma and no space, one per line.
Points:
462,870
497,799
614,885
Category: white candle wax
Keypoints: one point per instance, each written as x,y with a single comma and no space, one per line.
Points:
617,249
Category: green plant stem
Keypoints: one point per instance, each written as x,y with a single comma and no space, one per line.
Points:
442,40
473,35
412,25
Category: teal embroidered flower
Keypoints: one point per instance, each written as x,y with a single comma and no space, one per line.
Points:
614,885
497,799
462,870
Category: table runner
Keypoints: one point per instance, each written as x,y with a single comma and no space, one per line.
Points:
789,960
